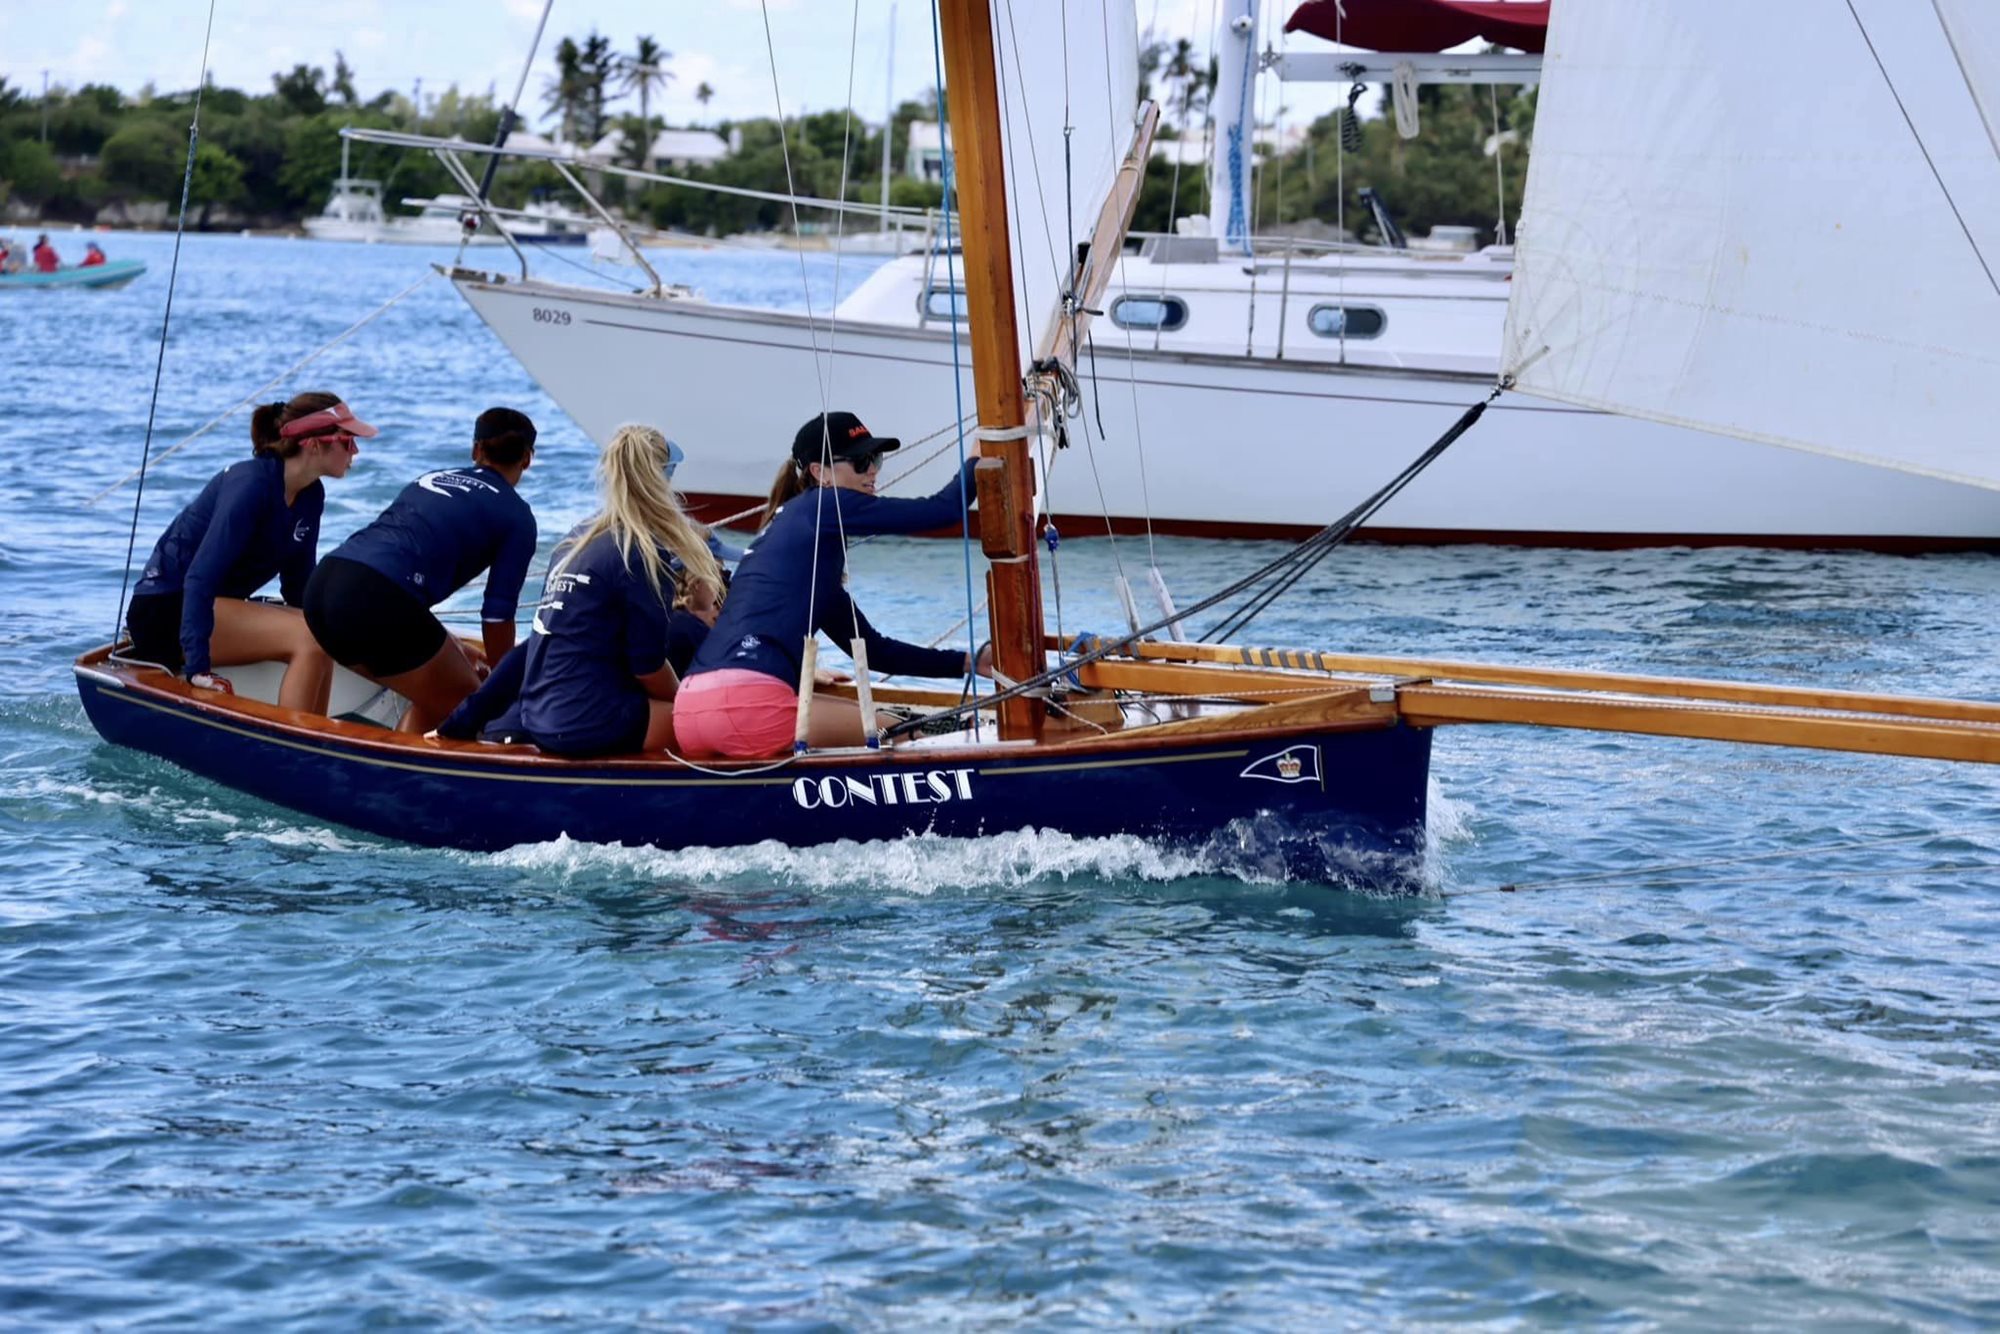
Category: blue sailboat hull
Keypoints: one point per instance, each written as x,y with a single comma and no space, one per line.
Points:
1328,803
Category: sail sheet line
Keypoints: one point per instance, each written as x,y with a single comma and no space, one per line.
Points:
1917,135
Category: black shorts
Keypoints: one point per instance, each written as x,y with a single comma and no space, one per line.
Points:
367,621
622,731
154,620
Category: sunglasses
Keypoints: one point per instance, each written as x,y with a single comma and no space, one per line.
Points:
868,462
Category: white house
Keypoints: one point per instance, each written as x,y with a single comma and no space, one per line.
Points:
925,158
671,148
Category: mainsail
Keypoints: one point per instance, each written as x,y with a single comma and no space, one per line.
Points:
1778,221
1069,85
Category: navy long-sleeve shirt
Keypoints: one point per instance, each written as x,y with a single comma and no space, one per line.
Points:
495,706
229,541
442,530
797,561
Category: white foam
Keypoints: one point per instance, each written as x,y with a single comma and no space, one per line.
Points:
920,864
313,837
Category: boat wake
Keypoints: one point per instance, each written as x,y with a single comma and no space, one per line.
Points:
1257,852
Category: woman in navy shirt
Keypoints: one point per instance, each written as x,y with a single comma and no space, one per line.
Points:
369,602
741,696
254,519
597,679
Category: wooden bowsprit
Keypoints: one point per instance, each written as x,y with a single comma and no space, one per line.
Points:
1436,693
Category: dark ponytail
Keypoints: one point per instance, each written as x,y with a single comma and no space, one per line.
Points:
792,481
267,422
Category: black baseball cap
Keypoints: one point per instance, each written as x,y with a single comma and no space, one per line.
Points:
840,435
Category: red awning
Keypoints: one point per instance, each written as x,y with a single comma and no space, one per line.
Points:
1424,25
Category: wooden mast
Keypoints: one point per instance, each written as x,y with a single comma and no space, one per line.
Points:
1005,475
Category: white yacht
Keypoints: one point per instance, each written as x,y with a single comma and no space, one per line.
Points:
1237,388
354,213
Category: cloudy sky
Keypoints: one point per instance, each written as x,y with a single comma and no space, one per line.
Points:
480,44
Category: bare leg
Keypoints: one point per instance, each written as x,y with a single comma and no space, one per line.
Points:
248,632
434,689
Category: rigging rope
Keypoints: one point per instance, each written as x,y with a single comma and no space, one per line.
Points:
261,389
1306,554
957,366
166,323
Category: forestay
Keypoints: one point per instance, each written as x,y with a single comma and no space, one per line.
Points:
1778,221
1076,60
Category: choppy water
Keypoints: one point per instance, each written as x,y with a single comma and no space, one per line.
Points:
258,1072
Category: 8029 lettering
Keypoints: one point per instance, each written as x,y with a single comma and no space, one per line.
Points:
548,315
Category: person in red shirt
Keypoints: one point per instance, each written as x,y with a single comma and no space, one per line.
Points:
91,255
45,255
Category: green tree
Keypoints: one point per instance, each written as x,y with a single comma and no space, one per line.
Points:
218,179
1444,176
343,80
303,91
598,64
566,95
79,125
29,170
644,70
146,158
255,138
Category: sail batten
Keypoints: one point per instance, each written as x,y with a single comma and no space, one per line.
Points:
1778,222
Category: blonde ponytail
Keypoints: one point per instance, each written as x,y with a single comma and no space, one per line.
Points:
642,513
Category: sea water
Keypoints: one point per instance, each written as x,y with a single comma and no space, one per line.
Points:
1728,1052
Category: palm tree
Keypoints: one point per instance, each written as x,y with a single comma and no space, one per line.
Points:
599,63
645,69
566,92
1181,70
703,93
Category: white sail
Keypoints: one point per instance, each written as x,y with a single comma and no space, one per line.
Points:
1779,221
1974,29
1062,66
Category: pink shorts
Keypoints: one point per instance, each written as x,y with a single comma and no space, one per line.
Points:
736,714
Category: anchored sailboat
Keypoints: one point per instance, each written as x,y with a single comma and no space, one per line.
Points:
1341,357
1321,757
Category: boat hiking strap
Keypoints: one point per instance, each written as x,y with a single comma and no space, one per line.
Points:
265,387
1284,571
166,322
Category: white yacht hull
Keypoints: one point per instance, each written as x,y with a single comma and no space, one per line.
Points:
1233,446
399,232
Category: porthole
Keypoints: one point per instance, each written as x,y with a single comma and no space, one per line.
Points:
1164,313
944,303
1347,321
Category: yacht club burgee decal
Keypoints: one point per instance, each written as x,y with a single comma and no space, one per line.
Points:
1294,764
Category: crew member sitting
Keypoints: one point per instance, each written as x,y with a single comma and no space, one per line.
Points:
92,255
45,255
597,679
191,612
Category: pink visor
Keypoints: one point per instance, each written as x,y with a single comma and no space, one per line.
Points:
326,421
